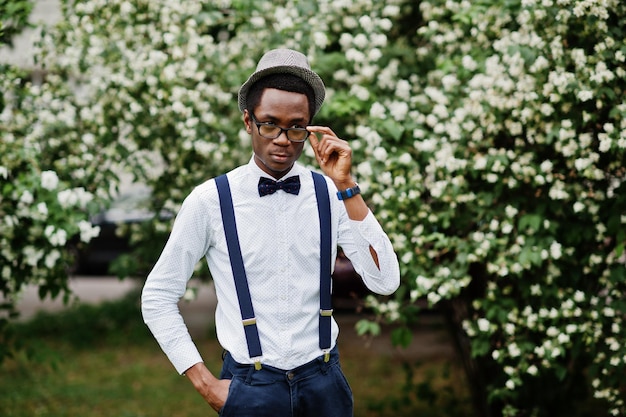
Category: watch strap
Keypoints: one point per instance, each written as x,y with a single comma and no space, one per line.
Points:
349,192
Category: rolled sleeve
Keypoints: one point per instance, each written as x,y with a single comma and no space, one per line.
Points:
383,279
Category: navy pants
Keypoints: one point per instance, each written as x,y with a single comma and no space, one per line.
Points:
315,389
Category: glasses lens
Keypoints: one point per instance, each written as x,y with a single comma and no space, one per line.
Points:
269,131
297,135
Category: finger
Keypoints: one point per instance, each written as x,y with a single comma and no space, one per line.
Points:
324,130
315,143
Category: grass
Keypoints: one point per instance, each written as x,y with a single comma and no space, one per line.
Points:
102,361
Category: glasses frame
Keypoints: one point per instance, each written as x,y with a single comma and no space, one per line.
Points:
289,129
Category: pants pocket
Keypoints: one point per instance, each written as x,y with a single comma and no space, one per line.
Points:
224,412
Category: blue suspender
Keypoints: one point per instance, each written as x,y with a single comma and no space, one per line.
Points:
326,311
239,272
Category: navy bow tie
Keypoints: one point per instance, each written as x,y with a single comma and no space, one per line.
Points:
268,186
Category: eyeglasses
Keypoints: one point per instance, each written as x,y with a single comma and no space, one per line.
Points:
271,131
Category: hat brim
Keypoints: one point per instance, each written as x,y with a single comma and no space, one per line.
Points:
307,75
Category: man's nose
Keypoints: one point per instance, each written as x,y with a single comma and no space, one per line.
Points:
282,139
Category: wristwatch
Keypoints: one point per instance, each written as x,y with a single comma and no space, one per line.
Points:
348,193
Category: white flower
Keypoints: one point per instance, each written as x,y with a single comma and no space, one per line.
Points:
27,197
56,237
532,370
552,331
42,208
74,197
169,38
584,95
433,298
555,250
546,166
605,143
126,8
398,110
320,39
345,40
355,55
378,111
391,10
511,211
366,23
4,172
492,178
403,89
374,54
405,158
480,162
469,63
87,231
89,139
257,21
380,154
364,169
360,92
424,283
52,258
49,180
579,296
32,255
406,258
483,324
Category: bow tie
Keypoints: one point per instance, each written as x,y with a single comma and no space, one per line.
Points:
268,186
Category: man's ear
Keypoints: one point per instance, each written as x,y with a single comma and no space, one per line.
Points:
247,121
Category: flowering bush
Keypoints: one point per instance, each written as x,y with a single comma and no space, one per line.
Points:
489,139
520,137
44,209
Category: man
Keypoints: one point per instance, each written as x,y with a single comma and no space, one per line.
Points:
264,245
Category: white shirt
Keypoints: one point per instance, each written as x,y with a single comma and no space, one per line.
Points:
280,239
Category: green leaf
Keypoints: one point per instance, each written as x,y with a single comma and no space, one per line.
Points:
532,221
401,337
364,327
393,129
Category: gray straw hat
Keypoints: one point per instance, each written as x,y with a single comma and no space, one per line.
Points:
285,61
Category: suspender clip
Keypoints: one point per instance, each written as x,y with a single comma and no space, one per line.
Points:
249,322
257,363
326,355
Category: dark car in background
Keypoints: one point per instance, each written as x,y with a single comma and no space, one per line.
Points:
95,258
